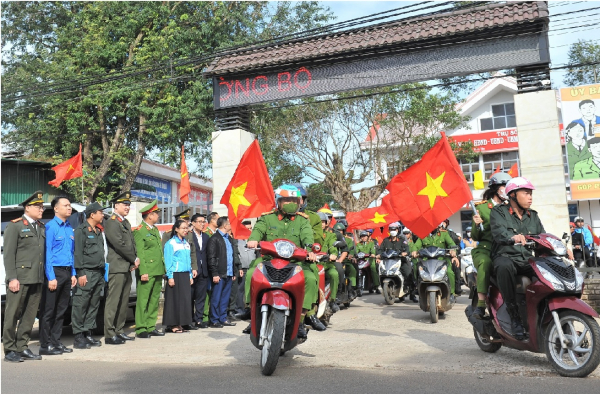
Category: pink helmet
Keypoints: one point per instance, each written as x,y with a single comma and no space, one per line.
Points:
518,183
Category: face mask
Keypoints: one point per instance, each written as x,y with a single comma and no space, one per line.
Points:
469,235
393,233
502,195
290,208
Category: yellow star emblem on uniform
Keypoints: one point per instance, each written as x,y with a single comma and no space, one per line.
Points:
433,188
237,197
379,217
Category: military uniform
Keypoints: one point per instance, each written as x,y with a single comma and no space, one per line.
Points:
149,247
295,228
441,239
482,259
586,169
329,266
24,256
315,223
369,248
89,261
349,265
122,255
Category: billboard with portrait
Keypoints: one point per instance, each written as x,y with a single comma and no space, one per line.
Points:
581,119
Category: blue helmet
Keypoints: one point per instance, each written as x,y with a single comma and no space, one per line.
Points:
287,191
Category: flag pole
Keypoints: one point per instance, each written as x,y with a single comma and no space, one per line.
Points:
82,195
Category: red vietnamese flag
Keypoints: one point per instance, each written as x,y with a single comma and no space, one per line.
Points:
184,186
379,234
497,171
429,191
514,170
69,169
249,192
376,217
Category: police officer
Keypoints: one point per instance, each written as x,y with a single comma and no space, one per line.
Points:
150,272
350,269
24,240
122,259
439,237
509,224
89,260
286,222
328,265
455,268
482,260
368,248
339,230
398,243
314,219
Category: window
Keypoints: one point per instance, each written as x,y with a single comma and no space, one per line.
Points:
503,117
469,168
573,213
503,161
466,218
566,166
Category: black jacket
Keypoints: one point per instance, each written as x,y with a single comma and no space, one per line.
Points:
198,254
216,253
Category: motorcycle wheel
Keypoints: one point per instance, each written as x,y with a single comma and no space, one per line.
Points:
484,344
433,311
388,293
583,356
272,346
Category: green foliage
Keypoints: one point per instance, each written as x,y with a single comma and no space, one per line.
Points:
319,195
583,52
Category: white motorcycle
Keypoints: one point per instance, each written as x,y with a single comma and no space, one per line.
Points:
468,272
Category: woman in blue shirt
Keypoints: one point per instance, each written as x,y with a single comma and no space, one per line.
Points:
178,294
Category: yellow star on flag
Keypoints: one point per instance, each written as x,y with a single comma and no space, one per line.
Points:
183,175
433,188
237,197
70,168
379,218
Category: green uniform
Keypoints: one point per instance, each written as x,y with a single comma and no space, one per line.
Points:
315,223
150,253
349,265
24,256
482,259
441,239
121,259
330,268
89,262
369,248
273,225
586,169
412,248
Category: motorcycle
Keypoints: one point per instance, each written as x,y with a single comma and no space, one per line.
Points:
432,282
467,269
365,280
276,296
392,280
324,312
557,321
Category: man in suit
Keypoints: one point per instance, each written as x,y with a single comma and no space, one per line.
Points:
588,117
24,256
149,273
224,266
589,168
122,259
199,242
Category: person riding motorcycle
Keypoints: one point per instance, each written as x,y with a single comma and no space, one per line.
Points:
368,248
439,237
494,195
398,243
457,241
509,224
286,222
338,230
583,241
468,241
315,221
351,270
329,265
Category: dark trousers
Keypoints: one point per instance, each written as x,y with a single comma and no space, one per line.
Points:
506,271
53,307
117,302
406,271
86,302
340,270
21,306
239,297
233,296
199,291
219,300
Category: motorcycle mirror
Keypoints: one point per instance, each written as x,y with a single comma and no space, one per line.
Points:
566,237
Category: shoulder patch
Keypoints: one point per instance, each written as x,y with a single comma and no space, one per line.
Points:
136,228
480,202
113,217
40,223
17,220
444,231
268,213
304,215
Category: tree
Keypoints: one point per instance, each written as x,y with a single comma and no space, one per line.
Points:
583,52
354,146
124,78
319,195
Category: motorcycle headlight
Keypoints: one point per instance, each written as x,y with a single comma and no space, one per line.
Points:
394,268
439,275
558,246
424,274
549,276
578,280
284,249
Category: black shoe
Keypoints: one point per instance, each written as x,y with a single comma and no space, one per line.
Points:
458,291
81,342
247,330
414,298
231,316
190,327
377,291
156,333
13,357
125,337
244,316
227,323
50,351
515,322
316,323
116,340
27,354
202,324
334,307
93,342
371,291
479,312
302,333
215,325
144,334
401,299
64,348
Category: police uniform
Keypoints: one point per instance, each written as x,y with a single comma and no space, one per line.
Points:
349,266
122,255
329,266
369,248
315,223
24,256
441,239
89,260
482,259
149,247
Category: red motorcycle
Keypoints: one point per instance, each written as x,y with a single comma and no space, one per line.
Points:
558,322
276,296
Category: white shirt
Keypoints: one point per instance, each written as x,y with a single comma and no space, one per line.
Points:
199,238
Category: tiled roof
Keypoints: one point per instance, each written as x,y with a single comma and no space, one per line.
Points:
382,35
